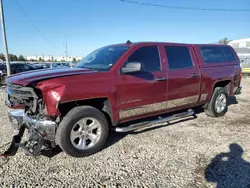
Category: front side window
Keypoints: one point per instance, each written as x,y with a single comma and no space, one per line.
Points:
148,56
178,57
102,59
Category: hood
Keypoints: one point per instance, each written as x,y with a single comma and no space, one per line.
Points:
26,78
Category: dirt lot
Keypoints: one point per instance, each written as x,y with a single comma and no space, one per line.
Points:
200,152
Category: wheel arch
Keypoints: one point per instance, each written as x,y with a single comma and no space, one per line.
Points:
101,103
221,83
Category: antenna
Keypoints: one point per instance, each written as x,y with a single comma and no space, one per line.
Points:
128,42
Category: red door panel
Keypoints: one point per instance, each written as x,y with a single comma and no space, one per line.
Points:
144,92
184,77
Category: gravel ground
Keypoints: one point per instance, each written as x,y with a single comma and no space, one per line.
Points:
200,152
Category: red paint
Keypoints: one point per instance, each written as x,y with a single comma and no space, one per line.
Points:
127,91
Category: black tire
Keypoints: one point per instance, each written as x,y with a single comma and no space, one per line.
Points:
66,125
211,108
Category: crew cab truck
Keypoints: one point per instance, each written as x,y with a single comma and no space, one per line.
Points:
75,108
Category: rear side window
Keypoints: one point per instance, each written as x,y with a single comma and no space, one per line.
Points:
229,54
148,56
214,54
178,57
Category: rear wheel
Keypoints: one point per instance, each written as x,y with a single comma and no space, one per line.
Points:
83,131
218,104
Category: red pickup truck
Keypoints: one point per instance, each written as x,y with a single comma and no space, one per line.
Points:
75,108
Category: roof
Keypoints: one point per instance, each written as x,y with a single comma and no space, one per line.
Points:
169,43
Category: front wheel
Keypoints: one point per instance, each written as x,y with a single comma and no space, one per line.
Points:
83,131
218,104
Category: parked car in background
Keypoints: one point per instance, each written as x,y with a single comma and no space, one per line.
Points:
72,64
16,68
115,85
59,65
22,67
42,65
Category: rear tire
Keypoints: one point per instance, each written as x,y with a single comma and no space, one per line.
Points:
82,132
218,104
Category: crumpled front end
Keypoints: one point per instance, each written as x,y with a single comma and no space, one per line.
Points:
28,112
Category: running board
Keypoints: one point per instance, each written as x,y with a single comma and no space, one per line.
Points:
144,124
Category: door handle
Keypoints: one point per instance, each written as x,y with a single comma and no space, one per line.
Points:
195,75
161,79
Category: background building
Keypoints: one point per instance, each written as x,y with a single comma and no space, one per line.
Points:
39,58
240,43
242,48
51,58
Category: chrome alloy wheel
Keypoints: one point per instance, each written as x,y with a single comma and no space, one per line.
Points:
85,133
220,103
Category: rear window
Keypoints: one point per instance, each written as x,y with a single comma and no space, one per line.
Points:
214,54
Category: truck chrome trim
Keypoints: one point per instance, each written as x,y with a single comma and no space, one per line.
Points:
19,93
16,118
145,109
182,101
203,97
145,124
46,128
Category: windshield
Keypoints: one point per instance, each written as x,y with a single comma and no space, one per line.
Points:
103,58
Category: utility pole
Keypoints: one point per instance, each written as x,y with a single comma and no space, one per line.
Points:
4,39
66,47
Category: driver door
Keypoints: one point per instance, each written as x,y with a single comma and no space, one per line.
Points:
142,93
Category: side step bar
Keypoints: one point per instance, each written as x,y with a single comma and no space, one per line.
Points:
144,124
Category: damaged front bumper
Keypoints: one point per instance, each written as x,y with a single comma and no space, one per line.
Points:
41,133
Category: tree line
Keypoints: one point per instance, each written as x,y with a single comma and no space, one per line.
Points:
224,41
12,57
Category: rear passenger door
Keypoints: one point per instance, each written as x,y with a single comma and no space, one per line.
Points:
184,77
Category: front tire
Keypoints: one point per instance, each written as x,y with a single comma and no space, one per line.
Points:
83,131
218,104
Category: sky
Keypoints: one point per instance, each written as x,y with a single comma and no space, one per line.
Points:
39,26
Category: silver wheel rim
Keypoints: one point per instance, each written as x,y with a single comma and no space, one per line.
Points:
85,133
220,103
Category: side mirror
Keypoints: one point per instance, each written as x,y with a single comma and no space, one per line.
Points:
132,67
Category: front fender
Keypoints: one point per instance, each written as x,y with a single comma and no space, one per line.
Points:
52,97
